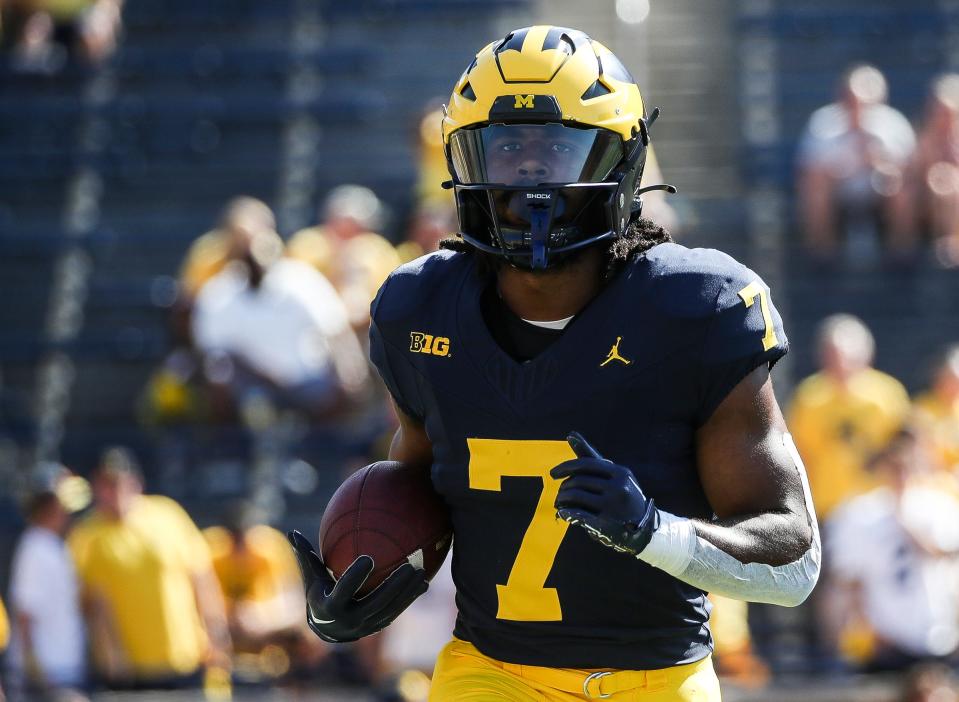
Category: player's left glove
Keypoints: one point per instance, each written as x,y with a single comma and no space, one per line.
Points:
603,498
332,610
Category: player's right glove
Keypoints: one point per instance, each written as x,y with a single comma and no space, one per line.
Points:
604,498
332,610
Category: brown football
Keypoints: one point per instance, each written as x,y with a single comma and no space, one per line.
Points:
389,513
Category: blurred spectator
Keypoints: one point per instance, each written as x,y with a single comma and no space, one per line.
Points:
415,638
932,183
347,249
274,329
4,637
398,661
47,658
264,595
931,682
843,414
937,410
894,567
851,158
432,168
241,218
736,661
177,392
42,34
154,607
431,223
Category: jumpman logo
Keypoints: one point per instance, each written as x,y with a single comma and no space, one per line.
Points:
614,354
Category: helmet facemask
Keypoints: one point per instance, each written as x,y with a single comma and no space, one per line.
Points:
534,193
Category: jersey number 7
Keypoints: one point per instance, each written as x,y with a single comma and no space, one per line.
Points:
749,295
524,597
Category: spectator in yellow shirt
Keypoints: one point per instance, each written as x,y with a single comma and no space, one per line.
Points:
347,250
842,415
258,576
4,636
154,608
264,595
4,628
937,410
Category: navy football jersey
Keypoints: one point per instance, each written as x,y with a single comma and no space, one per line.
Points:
636,372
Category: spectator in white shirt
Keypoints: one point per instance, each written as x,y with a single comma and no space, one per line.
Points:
47,657
851,159
273,325
894,560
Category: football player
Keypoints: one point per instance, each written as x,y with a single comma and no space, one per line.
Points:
592,400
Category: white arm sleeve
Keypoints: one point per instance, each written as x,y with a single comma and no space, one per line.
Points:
676,549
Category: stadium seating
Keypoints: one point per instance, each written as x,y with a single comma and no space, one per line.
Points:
194,110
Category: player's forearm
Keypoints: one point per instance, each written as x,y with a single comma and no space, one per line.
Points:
774,538
679,549
411,444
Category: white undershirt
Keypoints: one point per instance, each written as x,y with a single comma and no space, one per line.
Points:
557,324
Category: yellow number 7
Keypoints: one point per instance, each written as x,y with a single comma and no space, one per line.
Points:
749,295
524,597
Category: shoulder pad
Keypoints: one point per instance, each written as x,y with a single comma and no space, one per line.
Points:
417,283
691,283
741,327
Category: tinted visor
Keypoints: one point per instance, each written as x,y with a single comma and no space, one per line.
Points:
530,155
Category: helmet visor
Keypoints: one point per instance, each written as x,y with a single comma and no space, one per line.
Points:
534,155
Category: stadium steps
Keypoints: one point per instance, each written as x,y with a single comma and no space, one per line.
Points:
691,82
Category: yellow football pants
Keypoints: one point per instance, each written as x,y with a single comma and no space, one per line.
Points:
463,674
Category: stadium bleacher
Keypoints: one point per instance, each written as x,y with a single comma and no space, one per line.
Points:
193,109
814,41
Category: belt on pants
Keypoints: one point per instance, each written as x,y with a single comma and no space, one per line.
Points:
596,685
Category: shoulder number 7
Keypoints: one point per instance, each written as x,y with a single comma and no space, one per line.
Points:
749,295
524,597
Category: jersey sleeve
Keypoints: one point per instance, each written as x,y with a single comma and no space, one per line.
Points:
397,372
745,332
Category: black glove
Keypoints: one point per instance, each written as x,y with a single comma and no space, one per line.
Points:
332,611
604,499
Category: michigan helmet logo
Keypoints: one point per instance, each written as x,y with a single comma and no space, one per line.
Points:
521,101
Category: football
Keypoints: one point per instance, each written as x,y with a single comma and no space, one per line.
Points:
389,513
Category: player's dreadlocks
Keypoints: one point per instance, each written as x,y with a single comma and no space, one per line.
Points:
642,235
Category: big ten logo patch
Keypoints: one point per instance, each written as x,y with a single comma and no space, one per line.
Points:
427,343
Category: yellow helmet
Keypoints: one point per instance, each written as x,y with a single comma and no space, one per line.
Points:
545,136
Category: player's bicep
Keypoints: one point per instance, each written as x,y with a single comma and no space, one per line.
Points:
411,444
745,467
